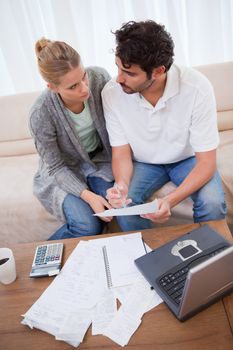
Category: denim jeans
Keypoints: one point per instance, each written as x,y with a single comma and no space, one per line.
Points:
79,215
208,202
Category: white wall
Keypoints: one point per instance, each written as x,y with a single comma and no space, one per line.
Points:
202,31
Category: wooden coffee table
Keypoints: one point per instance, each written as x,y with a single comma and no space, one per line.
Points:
160,330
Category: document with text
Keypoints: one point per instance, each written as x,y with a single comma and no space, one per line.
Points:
80,295
146,208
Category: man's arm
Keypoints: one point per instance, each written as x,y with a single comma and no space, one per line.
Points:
122,165
122,168
198,177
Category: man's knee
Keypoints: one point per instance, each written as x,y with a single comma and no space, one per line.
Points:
212,207
209,201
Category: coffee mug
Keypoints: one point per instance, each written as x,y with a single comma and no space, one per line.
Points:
7,266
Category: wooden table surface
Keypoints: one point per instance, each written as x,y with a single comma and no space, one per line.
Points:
159,330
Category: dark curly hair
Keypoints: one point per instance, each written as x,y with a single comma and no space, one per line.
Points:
145,43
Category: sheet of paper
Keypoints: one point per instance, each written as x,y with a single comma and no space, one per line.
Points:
75,326
122,292
146,208
79,295
100,242
139,300
80,284
156,300
122,328
104,312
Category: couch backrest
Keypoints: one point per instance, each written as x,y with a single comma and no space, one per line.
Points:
15,138
221,77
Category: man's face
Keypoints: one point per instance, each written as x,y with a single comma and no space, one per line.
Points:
132,79
73,86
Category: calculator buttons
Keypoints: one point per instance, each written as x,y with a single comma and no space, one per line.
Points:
47,260
48,254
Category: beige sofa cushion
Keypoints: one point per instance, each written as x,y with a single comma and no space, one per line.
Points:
15,138
225,120
17,148
23,219
221,77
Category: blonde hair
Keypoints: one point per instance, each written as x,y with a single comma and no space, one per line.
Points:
55,59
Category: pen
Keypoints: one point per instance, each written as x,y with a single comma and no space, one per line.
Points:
119,192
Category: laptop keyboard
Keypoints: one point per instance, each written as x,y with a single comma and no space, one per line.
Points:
173,282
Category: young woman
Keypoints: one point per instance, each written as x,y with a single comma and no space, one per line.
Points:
68,128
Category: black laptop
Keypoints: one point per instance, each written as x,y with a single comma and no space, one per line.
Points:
191,272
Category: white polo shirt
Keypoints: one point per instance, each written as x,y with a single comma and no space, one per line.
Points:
184,120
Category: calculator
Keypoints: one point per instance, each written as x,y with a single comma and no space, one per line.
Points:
47,260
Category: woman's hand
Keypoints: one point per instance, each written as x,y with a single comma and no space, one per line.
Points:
97,203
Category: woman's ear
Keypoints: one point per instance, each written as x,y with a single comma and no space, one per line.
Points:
52,87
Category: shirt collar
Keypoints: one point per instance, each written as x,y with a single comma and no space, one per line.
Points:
172,84
171,89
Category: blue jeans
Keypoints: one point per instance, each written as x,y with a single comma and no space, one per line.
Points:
208,202
79,215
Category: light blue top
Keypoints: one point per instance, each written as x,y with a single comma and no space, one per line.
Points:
85,128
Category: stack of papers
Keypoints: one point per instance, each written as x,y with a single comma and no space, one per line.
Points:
79,296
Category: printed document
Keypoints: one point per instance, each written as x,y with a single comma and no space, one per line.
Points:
79,296
146,208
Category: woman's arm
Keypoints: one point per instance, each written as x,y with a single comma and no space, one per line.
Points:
45,134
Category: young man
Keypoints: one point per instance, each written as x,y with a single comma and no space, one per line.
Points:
162,125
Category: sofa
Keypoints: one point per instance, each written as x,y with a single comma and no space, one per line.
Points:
22,217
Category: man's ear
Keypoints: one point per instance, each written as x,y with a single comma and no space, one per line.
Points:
52,87
157,72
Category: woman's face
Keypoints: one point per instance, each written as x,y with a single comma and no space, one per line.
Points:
73,86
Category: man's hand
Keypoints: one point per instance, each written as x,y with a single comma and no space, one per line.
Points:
117,195
162,214
97,203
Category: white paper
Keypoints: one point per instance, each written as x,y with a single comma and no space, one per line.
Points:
120,255
75,326
138,300
104,312
122,292
122,328
146,208
156,300
79,295
80,284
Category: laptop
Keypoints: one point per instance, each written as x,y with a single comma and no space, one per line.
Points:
191,272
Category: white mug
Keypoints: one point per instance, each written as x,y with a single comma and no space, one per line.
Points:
7,266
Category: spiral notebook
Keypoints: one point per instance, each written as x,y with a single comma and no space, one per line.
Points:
119,255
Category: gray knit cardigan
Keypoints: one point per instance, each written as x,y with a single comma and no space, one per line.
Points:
64,164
